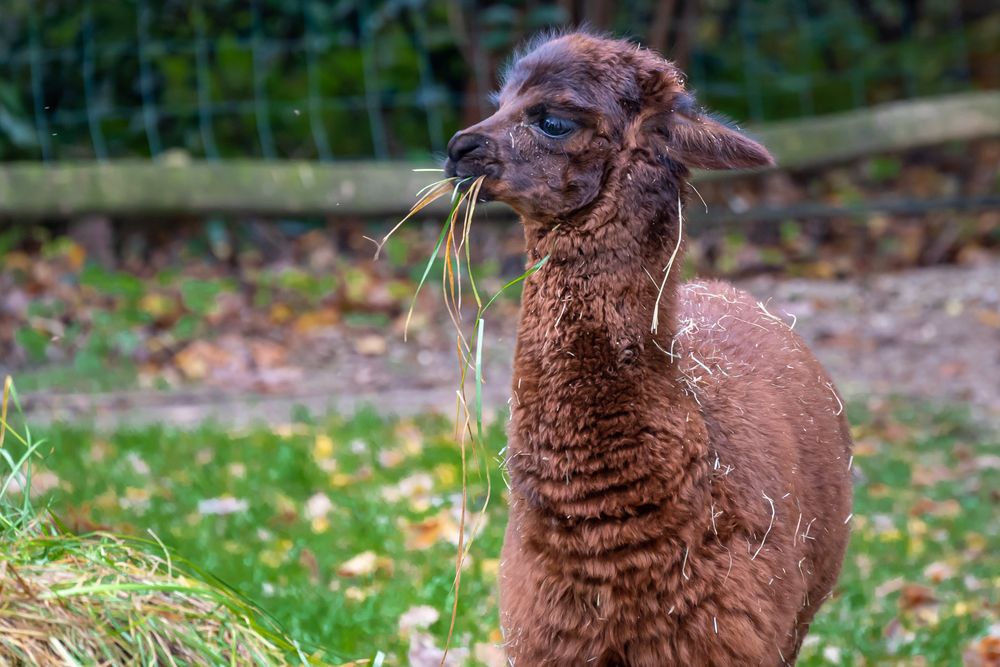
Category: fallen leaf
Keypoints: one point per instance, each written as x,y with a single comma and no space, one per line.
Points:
362,564
883,523
80,520
866,447
17,261
897,636
99,450
918,602
275,554
290,430
339,480
139,466
912,596
106,501
416,489
268,354
939,571
322,447
318,505
162,308
952,369
425,534
308,323
390,458
280,313
425,653
286,510
357,594
417,618
222,506
490,655
445,474
135,499
199,358
924,475
490,567
76,255
41,482
316,509
411,438
949,508
888,587
308,560
323,453
984,652
990,318
987,462
371,345
832,654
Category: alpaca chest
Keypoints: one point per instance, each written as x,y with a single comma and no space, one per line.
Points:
663,603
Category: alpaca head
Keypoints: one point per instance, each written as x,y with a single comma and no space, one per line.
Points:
581,116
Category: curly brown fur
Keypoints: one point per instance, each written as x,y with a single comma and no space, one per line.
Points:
679,489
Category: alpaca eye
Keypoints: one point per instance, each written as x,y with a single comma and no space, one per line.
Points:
555,127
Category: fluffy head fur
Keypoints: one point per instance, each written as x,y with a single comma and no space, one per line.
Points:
680,483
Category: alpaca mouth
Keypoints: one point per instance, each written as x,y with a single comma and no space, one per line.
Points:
465,169
467,175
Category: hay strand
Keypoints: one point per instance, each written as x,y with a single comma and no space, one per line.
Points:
454,238
669,266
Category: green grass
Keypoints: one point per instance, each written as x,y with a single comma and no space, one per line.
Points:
926,502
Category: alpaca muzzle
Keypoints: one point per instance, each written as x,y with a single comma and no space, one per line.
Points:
471,155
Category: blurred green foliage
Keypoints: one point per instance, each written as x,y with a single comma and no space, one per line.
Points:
394,78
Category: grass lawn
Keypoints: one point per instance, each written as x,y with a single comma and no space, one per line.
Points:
338,527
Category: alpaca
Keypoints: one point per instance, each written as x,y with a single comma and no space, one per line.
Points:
678,460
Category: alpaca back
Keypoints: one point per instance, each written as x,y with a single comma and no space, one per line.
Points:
776,426
728,567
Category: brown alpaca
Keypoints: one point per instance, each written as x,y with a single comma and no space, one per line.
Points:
678,460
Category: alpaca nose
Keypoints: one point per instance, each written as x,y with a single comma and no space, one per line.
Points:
463,145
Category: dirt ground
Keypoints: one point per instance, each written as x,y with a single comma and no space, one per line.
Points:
929,333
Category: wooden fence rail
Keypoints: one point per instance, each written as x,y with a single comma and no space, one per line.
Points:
174,185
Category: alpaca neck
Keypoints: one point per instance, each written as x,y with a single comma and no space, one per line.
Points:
595,395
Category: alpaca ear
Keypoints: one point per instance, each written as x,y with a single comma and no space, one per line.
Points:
697,140
693,137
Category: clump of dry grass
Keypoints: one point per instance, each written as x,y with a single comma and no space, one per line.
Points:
101,599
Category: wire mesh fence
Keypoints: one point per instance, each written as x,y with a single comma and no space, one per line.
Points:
347,79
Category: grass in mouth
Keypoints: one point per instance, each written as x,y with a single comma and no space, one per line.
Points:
454,243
